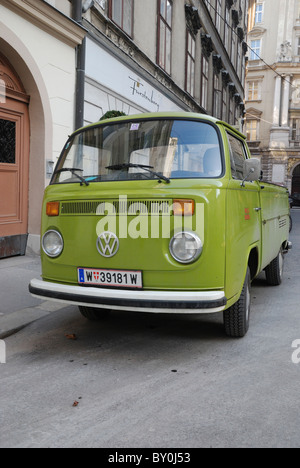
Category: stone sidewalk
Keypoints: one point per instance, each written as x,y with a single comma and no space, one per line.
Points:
17,307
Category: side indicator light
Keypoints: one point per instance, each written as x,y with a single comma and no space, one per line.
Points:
247,214
183,207
52,209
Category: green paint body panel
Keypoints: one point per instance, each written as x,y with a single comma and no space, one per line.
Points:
235,220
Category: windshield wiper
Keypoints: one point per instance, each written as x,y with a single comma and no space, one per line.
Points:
120,167
73,170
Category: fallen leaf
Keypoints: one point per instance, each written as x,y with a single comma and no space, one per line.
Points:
76,403
71,336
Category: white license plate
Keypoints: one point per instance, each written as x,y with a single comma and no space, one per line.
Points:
113,278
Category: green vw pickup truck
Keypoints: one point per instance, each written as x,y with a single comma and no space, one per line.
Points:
162,213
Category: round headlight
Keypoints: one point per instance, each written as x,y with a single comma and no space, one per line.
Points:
52,243
186,247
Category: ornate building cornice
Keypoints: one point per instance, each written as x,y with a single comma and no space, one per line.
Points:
47,18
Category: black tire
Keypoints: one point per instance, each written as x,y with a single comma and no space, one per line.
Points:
274,271
94,314
237,317
291,223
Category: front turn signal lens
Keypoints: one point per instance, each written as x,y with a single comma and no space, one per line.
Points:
52,209
183,207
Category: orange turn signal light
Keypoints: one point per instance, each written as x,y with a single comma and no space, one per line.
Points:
183,207
52,209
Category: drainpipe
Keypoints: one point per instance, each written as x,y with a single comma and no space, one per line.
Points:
80,68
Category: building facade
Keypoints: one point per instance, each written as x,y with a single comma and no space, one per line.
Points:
273,89
164,55
76,60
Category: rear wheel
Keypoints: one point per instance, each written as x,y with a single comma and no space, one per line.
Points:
94,314
274,271
237,317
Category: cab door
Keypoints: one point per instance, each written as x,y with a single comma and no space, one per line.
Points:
243,231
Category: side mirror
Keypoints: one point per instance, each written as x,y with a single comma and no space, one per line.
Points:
252,170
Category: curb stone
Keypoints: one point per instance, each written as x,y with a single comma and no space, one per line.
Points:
16,321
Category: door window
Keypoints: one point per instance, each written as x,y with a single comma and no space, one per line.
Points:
7,142
237,156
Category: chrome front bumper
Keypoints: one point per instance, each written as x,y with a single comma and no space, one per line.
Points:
190,302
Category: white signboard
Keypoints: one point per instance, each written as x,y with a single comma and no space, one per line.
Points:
114,75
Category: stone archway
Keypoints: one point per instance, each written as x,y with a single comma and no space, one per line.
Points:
296,181
41,126
14,162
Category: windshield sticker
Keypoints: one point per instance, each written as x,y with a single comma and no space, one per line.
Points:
134,126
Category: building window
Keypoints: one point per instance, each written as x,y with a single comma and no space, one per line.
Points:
217,97
298,46
259,13
226,29
231,111
239,62
255,49
218,15
224,103
295,127
233,50
121,12
190,63
204,82
253,91
164,35
252,130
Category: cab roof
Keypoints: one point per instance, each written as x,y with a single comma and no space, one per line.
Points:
161,115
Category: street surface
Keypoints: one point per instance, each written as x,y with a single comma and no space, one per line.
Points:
157,381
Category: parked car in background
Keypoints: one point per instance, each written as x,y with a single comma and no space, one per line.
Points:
295,200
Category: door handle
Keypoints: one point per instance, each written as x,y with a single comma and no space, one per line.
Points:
258,209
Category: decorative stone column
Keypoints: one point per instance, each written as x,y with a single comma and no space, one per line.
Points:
280,132
277,100
285,101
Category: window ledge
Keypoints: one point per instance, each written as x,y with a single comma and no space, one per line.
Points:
254,144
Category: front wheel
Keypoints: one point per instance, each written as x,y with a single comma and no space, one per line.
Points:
93,314
274,271
237,317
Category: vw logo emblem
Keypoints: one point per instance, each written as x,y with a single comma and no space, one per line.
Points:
108,244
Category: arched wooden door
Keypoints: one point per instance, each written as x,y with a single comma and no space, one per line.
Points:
14,162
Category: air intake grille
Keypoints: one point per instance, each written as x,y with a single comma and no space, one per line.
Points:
282,223
119,207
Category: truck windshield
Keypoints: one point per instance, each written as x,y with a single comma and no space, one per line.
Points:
139,150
